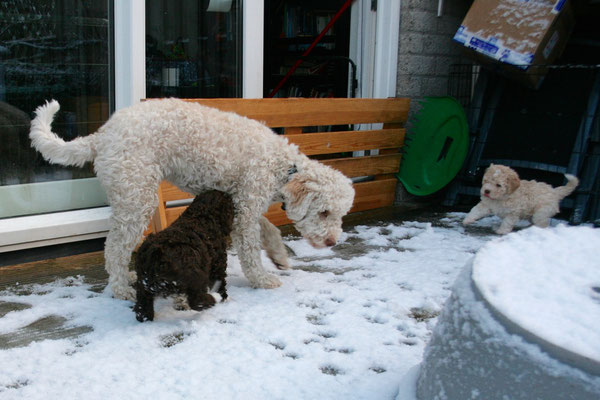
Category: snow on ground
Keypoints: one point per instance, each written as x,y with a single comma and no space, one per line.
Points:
350,322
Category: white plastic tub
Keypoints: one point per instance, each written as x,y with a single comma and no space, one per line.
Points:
523,322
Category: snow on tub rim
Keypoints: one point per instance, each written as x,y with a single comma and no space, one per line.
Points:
523,321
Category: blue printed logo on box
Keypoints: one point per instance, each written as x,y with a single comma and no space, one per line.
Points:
483,46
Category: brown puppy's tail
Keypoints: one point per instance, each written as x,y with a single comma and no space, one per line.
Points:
564,191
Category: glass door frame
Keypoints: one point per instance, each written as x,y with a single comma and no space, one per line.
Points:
130,51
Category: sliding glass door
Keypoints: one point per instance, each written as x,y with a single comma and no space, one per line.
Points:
61,50
65,50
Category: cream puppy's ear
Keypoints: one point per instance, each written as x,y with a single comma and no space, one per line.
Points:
513,181
297,197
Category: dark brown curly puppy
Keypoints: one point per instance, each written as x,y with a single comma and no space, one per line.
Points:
189,257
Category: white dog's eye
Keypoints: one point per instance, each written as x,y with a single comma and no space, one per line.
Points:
324,214
498,185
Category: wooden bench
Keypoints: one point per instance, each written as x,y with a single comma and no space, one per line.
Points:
334,148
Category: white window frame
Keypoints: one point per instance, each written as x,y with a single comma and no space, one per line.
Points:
130,52
253,48
374,39
386,48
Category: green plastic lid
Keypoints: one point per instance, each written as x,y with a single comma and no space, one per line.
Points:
436,146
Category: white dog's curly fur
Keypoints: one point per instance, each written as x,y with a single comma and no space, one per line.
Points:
199,148
503,194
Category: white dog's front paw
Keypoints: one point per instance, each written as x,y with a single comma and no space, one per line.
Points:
267,281
132,277
123,292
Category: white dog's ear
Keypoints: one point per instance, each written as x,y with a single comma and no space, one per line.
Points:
297,197
513,181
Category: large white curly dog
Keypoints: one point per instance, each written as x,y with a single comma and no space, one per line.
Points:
505,195
199,148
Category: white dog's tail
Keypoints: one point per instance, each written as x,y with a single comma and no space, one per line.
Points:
564,191
55,150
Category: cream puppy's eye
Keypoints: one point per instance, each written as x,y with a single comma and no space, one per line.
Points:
324,214
498,185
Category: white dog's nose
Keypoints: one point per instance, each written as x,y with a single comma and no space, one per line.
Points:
329,242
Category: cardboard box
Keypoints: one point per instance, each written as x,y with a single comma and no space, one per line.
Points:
520,37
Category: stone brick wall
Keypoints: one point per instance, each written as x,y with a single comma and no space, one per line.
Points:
426,49
425,52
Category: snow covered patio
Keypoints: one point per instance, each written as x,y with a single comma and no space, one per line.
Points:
350,322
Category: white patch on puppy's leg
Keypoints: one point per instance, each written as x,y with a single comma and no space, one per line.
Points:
214,290
216,296
216,286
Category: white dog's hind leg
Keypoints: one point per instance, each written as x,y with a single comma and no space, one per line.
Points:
271,241
130,217
120,242
124,235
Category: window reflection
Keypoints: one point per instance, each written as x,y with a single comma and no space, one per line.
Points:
50,50
193,48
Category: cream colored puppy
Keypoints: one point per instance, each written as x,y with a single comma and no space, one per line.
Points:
503,194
